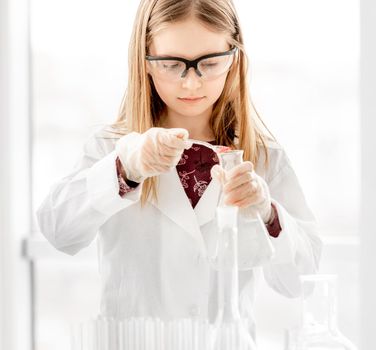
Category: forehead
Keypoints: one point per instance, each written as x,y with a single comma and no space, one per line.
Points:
188,39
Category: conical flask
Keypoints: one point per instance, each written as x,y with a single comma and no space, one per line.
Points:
319,328
256,244
230,330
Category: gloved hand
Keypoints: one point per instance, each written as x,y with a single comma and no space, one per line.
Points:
245,189
151,153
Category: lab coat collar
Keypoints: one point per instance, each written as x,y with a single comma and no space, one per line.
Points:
174,203
205,208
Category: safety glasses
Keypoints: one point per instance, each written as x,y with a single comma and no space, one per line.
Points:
206,67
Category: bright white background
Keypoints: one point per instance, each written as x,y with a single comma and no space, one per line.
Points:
304,58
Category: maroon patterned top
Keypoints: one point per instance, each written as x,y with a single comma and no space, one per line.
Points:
194,173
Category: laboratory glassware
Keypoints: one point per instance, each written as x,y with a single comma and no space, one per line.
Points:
318,329
230,329
140,333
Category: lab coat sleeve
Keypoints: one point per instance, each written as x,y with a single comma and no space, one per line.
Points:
298,246
81,202
125,185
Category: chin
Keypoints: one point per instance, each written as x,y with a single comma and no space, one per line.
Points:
194,109
191,112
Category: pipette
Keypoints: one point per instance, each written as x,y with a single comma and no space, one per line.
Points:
215,148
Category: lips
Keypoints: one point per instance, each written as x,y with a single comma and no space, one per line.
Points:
195,98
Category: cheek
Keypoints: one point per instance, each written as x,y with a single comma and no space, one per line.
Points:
164,90
215,88
167,92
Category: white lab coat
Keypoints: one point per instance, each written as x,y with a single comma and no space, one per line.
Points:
153,260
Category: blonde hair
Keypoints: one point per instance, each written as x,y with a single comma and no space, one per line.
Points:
232,116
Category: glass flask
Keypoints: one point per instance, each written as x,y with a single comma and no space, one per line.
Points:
318,327
230,330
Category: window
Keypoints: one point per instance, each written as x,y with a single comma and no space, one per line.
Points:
304,82
79,62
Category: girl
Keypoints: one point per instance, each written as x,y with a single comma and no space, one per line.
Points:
149,196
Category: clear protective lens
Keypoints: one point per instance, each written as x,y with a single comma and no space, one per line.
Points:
167,69
215,66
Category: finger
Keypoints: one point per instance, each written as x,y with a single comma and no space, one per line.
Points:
174,142
238,194
175,160
170,145
188,144
154,157
161,168
170,155
167,160
164,161
246,202
246,189
250,189
217,172
239,169
155,169
180,133
167,151
159,163
151,154
240,180
254,199
159,154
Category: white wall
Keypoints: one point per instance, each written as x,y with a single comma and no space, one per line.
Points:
368,184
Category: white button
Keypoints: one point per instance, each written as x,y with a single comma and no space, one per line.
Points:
194,311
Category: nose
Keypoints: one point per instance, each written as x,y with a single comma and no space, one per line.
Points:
191,81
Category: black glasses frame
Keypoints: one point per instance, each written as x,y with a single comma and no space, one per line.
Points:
191,63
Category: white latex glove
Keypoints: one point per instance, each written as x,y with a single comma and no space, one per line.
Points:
243,188
149,154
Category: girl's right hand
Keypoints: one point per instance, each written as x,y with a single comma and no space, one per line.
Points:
154,152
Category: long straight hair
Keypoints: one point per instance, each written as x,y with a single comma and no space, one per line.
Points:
234,120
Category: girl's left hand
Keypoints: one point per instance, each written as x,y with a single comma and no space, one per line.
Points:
243,188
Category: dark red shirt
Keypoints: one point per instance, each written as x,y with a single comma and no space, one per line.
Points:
194,173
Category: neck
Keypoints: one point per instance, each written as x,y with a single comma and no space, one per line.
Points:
197,126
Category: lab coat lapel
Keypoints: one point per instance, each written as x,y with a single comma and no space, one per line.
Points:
206,207
174,203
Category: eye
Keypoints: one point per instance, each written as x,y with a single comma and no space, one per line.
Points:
175,65
210,64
